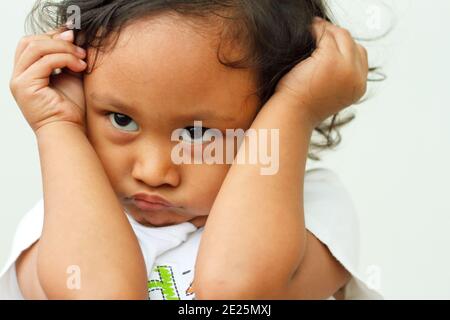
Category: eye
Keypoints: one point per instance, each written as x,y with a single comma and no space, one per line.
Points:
122,122
195,135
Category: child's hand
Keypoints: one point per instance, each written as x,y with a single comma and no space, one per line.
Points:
333,78
42,99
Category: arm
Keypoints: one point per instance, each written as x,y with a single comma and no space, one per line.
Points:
84,223
319,276
255,231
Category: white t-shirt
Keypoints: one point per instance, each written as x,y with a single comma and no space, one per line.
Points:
170,252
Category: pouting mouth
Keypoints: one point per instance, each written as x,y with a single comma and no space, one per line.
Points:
151,198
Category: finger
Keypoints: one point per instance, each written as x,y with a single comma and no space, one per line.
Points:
59,30
39,48
364,58
321,33
363,52
67,35
42,68
343,38
24,41
78,75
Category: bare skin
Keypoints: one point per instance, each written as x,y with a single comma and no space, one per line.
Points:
119,163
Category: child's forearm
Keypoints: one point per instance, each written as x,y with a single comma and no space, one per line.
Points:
255,236
84,224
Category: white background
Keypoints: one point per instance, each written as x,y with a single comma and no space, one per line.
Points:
394,157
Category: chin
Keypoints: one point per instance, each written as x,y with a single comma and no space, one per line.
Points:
160,219
156,218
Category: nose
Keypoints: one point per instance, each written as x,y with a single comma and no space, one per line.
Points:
154,167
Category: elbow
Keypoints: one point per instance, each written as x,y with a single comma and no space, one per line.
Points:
266,279
271,285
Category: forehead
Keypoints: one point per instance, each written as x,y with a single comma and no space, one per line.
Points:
168,63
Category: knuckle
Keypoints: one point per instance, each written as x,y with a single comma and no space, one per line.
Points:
361,86
33,45
71,58
45,59
48,59
363,50
328,34
64,44
24,40
13,84
345,32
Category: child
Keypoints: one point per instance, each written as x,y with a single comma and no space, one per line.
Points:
123,220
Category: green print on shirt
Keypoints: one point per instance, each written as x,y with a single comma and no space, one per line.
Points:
166,283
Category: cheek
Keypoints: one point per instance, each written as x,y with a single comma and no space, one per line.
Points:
205,181
93,126
114,165
111,156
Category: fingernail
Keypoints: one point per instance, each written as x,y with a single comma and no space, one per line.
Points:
82,62
66,35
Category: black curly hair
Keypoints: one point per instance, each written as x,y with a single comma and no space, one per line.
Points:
277,35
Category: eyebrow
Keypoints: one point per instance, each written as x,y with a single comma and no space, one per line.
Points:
111,101
199,115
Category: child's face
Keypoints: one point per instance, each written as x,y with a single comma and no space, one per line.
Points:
168,76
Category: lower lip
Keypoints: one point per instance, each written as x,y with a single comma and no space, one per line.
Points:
149,206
